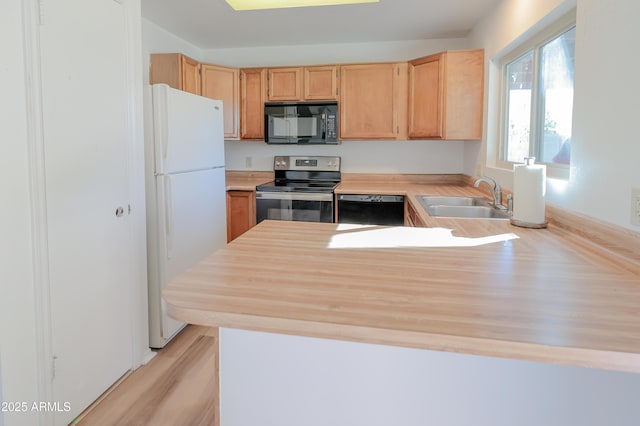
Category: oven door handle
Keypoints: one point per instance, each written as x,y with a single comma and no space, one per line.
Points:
298,196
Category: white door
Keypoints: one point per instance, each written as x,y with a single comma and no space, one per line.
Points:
86,121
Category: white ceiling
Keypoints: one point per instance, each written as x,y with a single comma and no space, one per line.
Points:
212,24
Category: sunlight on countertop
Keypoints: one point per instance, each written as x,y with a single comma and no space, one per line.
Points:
369,236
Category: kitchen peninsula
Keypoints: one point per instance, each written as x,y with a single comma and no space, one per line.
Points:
328,319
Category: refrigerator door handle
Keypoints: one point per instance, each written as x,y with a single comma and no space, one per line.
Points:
168,208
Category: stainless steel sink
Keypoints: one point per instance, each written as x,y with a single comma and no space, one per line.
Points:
429,200
480,212
464,207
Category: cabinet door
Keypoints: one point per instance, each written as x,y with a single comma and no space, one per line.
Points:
426,97
176,70
464,91
241,213
190,75
252,88
165,68
224,83
411,216
321,83
446,95
285,84
371,105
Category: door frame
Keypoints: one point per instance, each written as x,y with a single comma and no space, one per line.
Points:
34,12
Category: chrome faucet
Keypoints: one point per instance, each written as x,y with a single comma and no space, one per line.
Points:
496,190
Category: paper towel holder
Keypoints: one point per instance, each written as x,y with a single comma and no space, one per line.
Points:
529,161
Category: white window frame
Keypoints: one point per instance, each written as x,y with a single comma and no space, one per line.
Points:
565,23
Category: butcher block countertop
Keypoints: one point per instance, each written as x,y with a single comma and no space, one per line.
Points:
472,286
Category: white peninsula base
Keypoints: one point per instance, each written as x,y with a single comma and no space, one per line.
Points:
280,380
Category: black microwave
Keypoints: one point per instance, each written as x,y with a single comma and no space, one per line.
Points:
301,123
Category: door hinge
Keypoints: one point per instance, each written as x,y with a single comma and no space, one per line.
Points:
54,360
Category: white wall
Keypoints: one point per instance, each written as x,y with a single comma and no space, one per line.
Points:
318,54
158,40
17,315
357,156
605,150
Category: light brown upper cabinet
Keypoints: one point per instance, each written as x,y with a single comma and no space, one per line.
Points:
321,83
303,83
252,96
224,83
373,101
285,84
446,95
176,70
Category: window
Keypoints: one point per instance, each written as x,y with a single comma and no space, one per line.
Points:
537,100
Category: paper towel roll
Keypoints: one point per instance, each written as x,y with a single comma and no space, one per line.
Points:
529,187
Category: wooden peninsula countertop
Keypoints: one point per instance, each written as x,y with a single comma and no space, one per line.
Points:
472,286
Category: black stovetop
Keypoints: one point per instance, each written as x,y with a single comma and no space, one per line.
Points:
298,186
301,181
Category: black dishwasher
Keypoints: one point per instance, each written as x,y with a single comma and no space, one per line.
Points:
368,209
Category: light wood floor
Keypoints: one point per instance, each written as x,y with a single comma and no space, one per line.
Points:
177,387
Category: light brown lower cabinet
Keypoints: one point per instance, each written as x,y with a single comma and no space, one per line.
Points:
411,217
241,213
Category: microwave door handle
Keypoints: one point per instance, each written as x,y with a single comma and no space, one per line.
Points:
287,123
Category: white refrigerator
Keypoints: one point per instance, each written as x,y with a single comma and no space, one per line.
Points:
185,185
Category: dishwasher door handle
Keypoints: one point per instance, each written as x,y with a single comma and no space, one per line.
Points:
371,198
